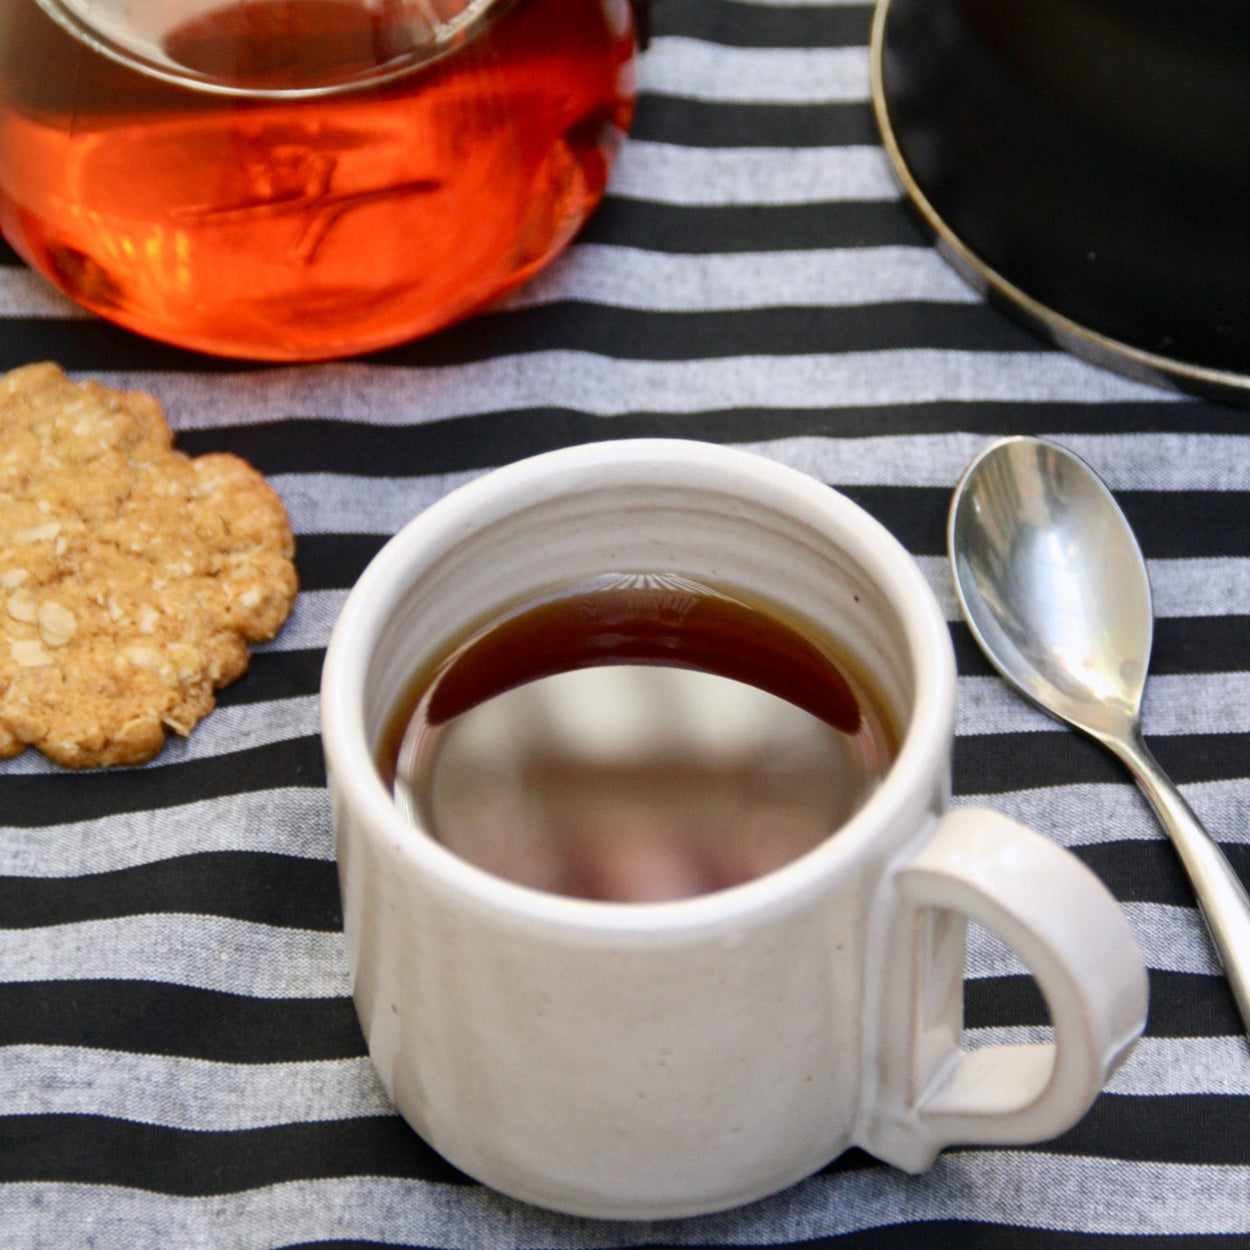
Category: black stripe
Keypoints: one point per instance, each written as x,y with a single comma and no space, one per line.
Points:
752,228
1182,644
1168,524
1178,1128
1145,872
765,26
91,344
306,443
155,1018
276,675
630,334
335,561
244,885
1182,1004
673,228
48,799
152,1018
1189,523
614,333
1181,1129
916,516
969,658
931,1235
97,1150
703,124
993,763
1201,644
960,1235
1212,524
1000,1002
300,893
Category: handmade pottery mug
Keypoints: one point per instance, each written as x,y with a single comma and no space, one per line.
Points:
652,1059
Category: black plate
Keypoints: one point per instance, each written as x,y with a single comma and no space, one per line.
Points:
1086,164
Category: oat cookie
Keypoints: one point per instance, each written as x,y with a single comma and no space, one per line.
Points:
132,577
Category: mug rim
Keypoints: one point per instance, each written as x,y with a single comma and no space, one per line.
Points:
352,768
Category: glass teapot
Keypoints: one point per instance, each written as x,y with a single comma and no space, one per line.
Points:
303,179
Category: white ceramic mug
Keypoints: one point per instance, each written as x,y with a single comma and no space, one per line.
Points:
639,1060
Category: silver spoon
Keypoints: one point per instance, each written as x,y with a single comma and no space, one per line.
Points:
1054,587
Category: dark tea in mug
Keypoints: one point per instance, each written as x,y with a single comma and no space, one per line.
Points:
637,738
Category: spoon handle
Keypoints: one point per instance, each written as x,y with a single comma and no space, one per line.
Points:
1222,899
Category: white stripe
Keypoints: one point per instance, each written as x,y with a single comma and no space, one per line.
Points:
1182,1065
1153,462
208,952
1199,703
1172,939
694,69
1164,462
294,821
264,961
1193,703
627,277
224,731
1093,815
1157,1067
602,386
321,503
185,1093
311,620
209,1096
1214,586
332,503
664,173
24,293
1182,588
1012,1188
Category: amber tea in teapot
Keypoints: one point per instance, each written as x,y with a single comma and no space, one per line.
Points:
302,179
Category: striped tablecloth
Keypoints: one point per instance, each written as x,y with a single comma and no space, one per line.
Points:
179,1060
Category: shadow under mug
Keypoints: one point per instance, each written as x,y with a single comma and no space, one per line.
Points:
642,1060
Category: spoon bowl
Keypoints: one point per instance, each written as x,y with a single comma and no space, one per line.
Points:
1052,583
1054,589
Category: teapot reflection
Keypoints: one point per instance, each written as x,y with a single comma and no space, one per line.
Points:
637,783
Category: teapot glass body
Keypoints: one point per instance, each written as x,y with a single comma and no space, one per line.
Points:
304,179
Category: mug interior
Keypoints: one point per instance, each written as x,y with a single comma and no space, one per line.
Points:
728,519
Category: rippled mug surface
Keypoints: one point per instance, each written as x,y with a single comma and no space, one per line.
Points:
269,184
638,739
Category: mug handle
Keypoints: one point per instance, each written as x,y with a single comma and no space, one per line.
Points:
1072,936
